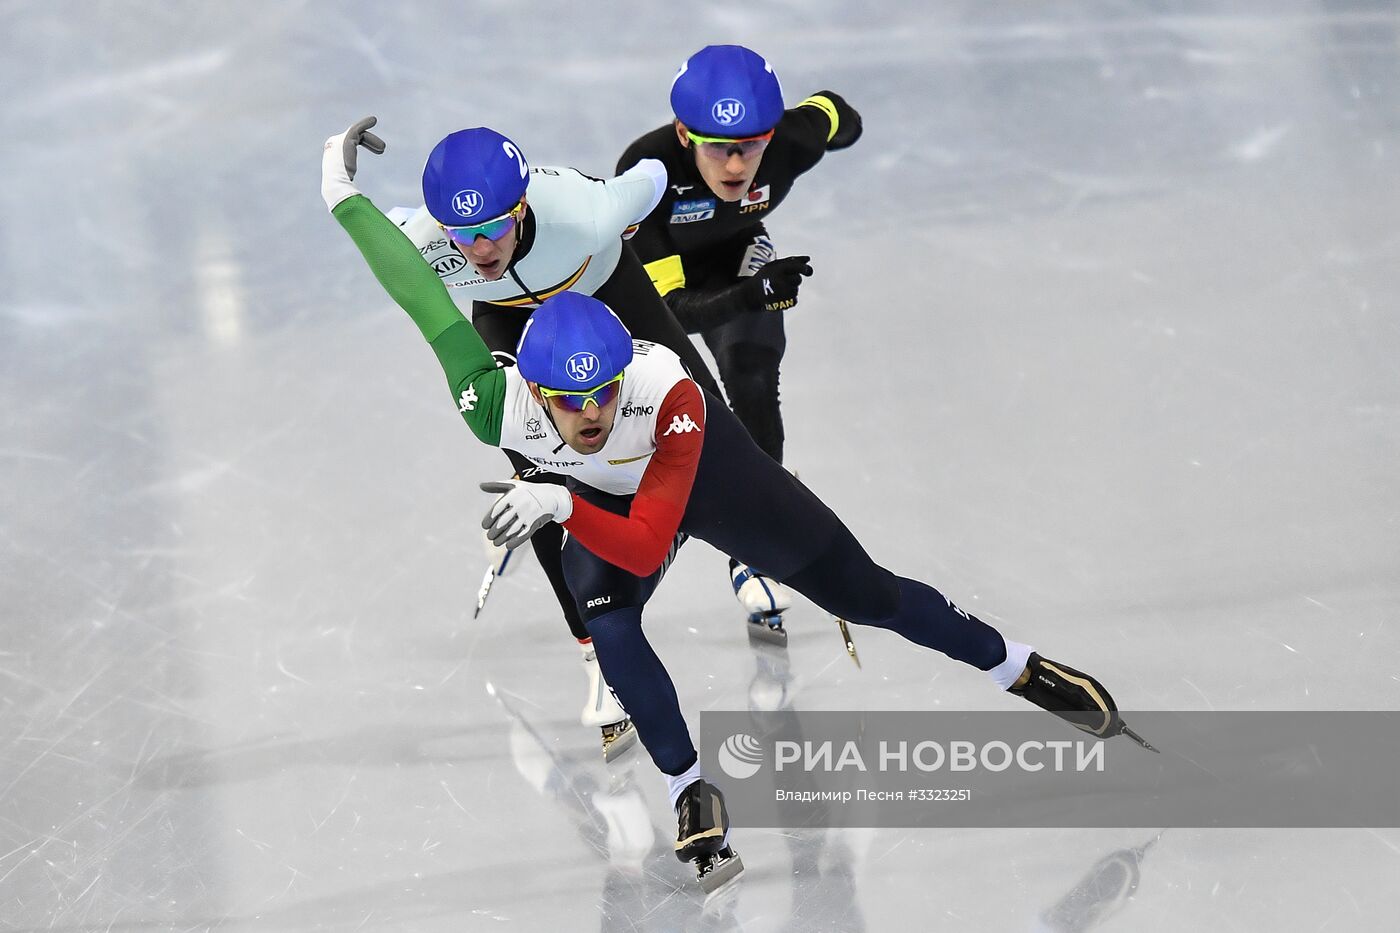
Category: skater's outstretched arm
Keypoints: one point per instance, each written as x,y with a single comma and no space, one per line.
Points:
477,384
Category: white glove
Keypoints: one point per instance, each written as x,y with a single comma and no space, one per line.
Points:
338,160
523,508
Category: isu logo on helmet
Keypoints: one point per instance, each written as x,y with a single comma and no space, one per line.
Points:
727,112
581,367
467,202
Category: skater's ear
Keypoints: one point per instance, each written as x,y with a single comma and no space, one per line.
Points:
535,392
680,134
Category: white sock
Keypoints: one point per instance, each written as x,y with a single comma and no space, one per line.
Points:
679,782
1007,671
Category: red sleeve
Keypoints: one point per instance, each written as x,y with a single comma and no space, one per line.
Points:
639,542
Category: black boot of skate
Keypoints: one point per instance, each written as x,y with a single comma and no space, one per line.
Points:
1075,697
701,824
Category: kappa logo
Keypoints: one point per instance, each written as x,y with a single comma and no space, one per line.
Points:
582,366
958,609
468,400
467,202
727,111
681,424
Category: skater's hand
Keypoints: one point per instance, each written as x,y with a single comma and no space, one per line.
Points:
522,509
338,160
774,287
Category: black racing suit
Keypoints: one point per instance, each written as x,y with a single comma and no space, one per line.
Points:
695,248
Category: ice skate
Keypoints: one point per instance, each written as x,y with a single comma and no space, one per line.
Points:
701,826
1075,697
601,709
764,599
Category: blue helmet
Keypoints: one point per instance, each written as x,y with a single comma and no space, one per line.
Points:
727,91
473,175
573,342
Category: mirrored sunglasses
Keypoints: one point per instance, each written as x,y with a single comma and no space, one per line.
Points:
717,147
492,229
577,401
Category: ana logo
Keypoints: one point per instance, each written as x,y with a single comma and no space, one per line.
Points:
467,202
740,756
681,424
581,367
448,264
468,400
688,212
727,112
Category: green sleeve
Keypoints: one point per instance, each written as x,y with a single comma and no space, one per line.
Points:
476,383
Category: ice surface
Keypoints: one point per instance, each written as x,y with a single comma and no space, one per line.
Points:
1109,287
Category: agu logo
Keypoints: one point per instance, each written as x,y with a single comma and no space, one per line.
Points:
741,756
727,112
581,367
467,202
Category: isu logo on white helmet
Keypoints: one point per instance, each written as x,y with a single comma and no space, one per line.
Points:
741,756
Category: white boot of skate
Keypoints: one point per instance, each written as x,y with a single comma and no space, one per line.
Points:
601,709
764,600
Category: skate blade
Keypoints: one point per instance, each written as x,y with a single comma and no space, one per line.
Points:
846,637
721,872
761,631
485,591
620,745
1140,740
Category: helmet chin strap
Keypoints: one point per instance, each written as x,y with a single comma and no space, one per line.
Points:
549,416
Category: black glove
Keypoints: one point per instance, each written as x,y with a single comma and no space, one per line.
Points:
774,287
849,128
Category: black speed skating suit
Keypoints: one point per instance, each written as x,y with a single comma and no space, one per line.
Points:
695,246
